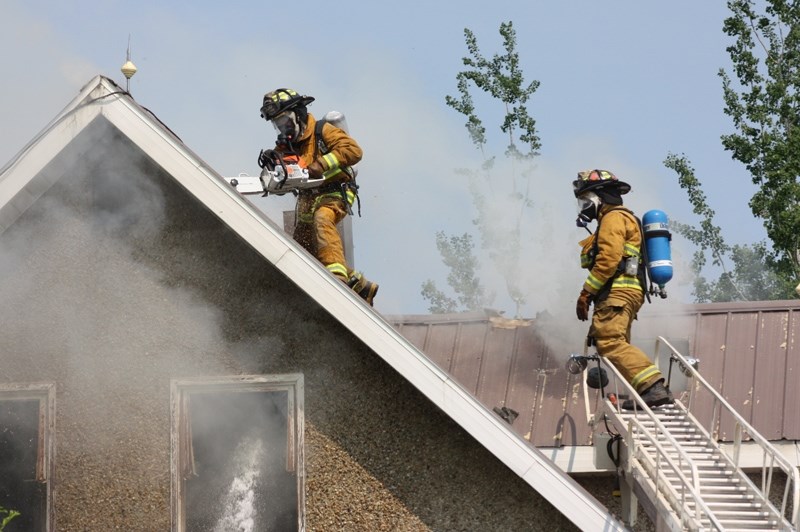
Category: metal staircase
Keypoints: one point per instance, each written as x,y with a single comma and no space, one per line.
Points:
670,462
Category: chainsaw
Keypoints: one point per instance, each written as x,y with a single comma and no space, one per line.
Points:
282,173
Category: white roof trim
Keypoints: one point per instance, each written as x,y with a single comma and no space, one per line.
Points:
102,96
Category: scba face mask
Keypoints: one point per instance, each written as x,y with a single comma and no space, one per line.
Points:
588,208
286,125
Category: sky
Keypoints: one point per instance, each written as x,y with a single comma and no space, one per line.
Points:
623,84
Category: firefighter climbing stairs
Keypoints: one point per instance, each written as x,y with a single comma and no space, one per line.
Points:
670,462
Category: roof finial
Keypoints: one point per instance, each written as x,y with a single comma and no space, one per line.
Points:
128,69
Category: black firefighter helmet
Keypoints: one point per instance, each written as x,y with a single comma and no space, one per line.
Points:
282,100
594,188
594,180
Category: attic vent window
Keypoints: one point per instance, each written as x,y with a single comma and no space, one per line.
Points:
237,453
27,414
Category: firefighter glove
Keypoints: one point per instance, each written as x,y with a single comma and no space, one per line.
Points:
315,170
582,306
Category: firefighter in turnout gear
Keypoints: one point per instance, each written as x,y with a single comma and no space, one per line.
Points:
615,283
319,209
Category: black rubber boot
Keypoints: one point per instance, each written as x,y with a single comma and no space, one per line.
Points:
360,285
656,395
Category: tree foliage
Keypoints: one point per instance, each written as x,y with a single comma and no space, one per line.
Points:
501,78
764,105
457,254
765,108
751,277
6,516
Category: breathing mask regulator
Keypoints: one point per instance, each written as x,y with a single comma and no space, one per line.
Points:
588,208
286,125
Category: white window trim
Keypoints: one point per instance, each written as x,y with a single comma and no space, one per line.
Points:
292,383
45,393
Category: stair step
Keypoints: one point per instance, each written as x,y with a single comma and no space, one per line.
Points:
744,527
723,498
700,463
766,526
721,490
706,474
753,525
718,507
734,515
731,500
669,448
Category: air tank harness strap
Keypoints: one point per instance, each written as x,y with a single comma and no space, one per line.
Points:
352,187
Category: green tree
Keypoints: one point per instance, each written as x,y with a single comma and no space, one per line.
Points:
500,78
457,254
751,277
765,109
764,105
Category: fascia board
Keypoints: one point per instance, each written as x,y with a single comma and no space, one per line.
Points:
21,170
96,86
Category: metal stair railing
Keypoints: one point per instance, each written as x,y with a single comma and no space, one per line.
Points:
771,457
690,485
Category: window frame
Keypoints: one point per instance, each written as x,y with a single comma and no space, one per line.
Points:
45,393
180,451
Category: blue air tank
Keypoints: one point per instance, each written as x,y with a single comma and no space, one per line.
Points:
657,241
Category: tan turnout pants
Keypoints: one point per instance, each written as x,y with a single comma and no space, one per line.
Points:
611,330
316,231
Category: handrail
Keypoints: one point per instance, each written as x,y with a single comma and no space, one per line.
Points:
792,473
693,485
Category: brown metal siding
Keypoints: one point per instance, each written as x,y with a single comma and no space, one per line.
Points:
769,373
468,355
791,402
709,349
524,381
748,351
738,365
440,345
496,367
